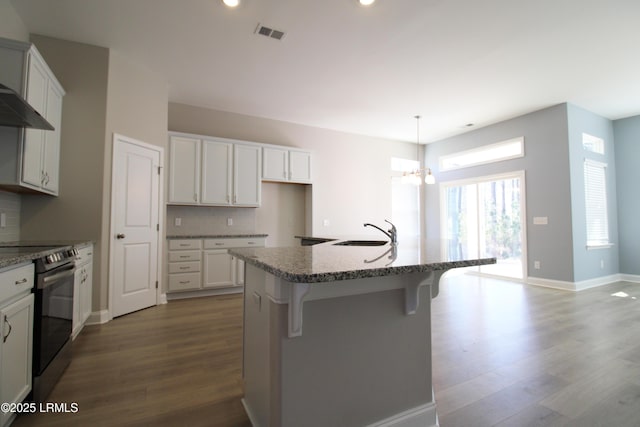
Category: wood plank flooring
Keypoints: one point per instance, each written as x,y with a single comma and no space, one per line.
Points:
505,354
177,364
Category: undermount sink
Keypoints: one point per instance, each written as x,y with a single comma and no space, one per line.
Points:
361,243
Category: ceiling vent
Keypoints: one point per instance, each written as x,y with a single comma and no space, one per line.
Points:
269,32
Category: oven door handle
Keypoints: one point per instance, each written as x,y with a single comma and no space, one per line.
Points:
68,270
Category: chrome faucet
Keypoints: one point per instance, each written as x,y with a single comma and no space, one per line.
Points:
392,233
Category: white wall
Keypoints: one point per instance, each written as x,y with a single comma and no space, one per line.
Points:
351,173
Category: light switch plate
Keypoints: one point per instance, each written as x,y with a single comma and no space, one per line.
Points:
540,220
178,222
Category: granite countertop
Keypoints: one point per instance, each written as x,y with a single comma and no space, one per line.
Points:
13,253
215,236
327,262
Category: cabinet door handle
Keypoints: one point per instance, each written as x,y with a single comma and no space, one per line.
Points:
120,236
20,282
6,320
195,197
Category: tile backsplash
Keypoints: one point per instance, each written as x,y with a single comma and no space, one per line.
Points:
202,220
10,209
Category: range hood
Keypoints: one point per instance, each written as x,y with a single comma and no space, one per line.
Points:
15,111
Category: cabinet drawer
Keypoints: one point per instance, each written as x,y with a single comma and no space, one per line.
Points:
184,256
184,267
185,244
234,243
184,282
85,254
16,281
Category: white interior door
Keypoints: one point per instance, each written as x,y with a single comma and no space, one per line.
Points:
135,207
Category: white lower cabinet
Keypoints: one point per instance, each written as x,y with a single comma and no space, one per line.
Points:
201,264
219,269
82,289
16,343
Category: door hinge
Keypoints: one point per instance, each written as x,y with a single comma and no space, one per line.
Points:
156,284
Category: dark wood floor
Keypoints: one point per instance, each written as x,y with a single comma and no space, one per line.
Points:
504,354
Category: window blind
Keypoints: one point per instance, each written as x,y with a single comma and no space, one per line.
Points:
595,189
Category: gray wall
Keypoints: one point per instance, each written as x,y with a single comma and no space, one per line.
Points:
11,27
627,146
590,264
546,166
106,94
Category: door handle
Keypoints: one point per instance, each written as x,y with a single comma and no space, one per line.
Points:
120,236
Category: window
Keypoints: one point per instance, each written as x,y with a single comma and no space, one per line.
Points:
504,150
405,200
595,190
592,143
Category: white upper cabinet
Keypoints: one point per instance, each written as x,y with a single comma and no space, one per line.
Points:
184,170
299,166
32,156
247,170
284,165
214,172
275,164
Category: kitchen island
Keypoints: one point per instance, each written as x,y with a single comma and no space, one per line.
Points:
340,335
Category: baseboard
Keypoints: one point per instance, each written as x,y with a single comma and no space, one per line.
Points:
583,284
163,298
250,415
204,293
98,317
420,416
634,278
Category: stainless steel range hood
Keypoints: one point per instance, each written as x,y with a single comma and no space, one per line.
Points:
15,111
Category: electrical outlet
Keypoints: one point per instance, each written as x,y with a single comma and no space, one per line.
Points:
178,222
536,265
229,222
326,223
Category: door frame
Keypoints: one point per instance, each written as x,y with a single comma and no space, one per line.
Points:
520,174
117,139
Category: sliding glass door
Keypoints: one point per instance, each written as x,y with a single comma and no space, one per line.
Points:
484,217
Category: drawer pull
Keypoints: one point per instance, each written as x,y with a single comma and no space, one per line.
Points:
251,243
184,268
4,338
185,256
184,245
20,282
219,244
186,282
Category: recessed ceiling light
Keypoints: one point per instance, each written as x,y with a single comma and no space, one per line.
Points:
231,3
366,2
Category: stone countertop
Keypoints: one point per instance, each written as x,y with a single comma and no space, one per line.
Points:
216,236
326,262
13,253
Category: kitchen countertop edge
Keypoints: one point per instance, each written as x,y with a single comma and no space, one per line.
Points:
11,260
215,236
282,272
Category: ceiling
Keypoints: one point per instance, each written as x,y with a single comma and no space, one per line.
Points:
370,70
